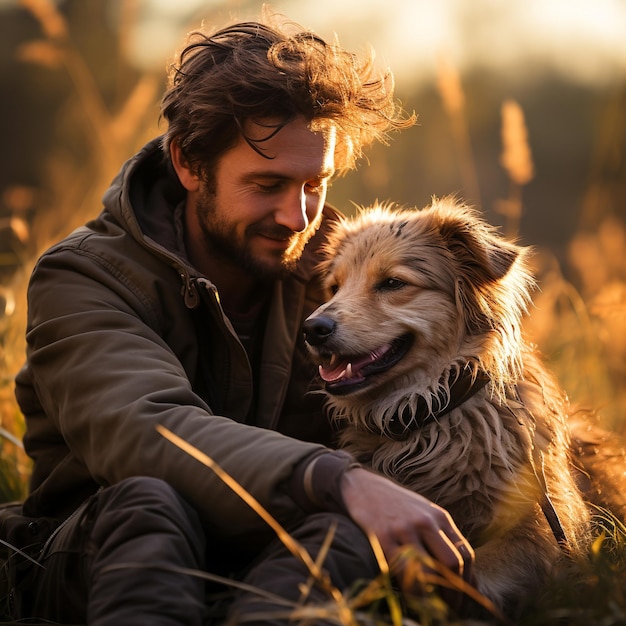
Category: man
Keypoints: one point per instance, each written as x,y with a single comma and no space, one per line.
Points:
180,307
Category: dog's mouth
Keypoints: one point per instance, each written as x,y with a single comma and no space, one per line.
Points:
345,374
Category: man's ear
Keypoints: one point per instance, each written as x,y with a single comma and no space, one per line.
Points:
189,180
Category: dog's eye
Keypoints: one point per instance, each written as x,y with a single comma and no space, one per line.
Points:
334,288
390,284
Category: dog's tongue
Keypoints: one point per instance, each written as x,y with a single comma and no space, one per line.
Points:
350,368
341,369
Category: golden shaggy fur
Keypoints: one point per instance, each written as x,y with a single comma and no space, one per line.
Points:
441,285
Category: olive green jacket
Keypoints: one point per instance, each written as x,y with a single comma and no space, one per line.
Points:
124,335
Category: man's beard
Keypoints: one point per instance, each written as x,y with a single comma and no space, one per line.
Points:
222,237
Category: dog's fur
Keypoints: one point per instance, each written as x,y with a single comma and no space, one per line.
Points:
444,279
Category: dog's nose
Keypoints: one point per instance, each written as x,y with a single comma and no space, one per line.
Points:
318,329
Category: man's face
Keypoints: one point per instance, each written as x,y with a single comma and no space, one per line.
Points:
260,212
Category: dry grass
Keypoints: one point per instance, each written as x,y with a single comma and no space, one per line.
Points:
73,190
581,329
590,591
375,602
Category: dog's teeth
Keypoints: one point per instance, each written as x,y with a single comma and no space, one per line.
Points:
333,358
330,376
348,371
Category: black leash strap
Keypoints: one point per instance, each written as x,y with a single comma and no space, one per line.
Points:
538,466
546,504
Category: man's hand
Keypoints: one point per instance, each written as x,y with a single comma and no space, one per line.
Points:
400,518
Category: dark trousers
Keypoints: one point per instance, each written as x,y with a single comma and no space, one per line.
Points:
135,552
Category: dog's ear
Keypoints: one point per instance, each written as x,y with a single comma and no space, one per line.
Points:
491,285
481,253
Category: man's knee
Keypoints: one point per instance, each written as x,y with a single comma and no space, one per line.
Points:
142,491
143,505
335,542
350,556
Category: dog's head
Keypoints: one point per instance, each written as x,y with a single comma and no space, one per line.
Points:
413,295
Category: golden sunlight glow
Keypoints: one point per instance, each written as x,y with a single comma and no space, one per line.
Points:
583,39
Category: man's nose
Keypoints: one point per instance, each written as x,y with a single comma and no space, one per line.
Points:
292,213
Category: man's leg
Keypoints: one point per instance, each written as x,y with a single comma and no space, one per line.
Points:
119,561
349,560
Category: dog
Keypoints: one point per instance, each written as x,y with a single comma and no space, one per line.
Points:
422,357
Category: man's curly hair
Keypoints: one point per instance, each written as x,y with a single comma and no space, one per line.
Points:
270,70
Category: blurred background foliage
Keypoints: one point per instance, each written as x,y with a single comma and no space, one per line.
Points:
522,112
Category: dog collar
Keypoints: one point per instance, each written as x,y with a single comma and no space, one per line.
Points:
464,386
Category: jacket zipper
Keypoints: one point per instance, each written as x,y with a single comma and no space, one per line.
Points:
189,290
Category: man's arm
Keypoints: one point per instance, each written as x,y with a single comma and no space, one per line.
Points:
106,378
